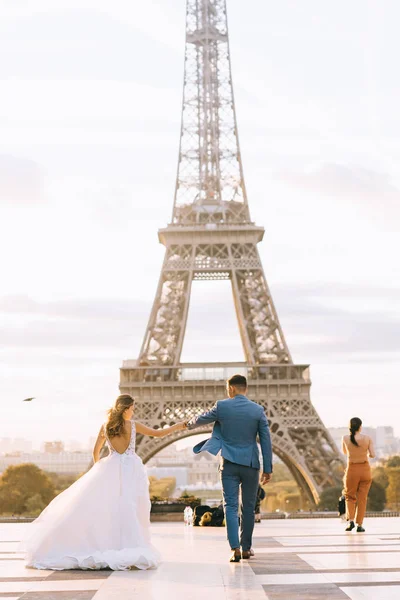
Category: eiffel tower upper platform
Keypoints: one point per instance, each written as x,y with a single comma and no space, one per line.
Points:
211,236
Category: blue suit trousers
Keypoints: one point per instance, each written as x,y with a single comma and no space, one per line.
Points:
239,478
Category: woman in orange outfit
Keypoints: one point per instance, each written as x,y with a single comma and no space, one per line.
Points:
357,479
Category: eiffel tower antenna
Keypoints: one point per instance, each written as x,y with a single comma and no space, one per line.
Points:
211,236
210,185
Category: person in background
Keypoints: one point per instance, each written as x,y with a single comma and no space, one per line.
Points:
357,478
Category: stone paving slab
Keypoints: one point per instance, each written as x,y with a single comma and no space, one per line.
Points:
295,560
59,595
300,591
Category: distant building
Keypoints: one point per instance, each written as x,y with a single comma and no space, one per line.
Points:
386,442
203,470
75,446
54,447
68,463
180,474
191,471
171,456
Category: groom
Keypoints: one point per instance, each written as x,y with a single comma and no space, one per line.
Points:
238,420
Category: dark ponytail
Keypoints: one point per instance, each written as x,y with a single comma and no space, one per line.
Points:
355,424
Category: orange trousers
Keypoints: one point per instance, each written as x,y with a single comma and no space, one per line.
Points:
357,481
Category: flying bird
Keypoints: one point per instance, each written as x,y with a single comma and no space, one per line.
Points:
28,399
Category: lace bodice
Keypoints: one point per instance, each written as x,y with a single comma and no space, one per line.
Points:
132,444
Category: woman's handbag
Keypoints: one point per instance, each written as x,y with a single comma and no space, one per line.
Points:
342,507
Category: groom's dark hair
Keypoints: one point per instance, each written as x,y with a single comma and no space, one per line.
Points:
238,381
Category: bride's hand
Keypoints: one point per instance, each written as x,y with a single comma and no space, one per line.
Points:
180,426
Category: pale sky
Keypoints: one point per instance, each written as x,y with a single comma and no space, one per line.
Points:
90,101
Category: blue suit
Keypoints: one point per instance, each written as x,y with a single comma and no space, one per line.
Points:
237,422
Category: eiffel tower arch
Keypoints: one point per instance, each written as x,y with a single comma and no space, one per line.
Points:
211,236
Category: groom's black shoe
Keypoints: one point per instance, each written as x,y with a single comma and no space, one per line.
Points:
236,556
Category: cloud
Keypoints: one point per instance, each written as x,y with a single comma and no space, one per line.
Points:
304,298
350,323
61,328
316,321
335,178
86,309
85,44
66,336
371,190
21,180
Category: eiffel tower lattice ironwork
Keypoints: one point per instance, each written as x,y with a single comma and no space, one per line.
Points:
211,236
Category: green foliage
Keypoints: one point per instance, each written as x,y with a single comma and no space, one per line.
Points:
292,501
34,505
281,473
62,481
183,500
393,490
394,461
156,499
185,494
189,499
380,475
23,486
10,501
283,487
163,488
330,497
376,497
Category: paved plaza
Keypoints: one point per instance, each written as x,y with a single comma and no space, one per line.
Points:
309,559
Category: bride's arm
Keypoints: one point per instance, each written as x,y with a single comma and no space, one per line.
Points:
98,445
140,428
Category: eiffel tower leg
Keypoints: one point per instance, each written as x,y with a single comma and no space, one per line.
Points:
259,317
299,437
165,332
306,495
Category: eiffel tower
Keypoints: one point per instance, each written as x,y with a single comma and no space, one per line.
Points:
210,237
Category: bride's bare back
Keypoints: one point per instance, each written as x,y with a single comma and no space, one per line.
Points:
120,443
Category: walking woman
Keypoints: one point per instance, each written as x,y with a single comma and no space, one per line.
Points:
357,478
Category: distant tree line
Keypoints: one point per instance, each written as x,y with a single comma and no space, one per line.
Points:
25,490
161,488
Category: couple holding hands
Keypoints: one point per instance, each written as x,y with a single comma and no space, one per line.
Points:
103,519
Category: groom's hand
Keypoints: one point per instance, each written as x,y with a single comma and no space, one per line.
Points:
265,478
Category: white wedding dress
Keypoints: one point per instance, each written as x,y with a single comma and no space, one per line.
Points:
102,520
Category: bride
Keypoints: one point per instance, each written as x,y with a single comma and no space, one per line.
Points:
103,519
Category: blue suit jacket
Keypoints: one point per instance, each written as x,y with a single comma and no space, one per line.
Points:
237,421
